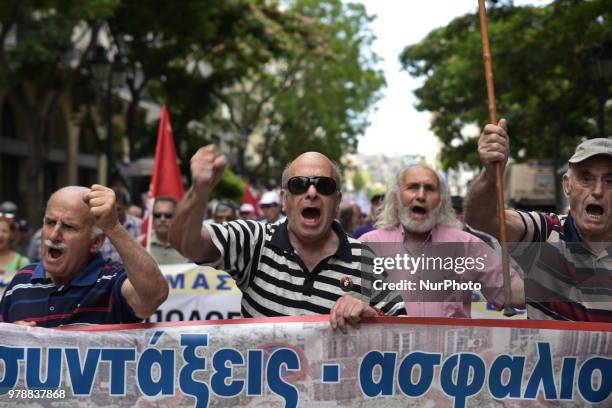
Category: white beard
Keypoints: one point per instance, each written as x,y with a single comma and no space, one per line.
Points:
419,226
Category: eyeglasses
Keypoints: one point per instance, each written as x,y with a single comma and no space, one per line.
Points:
300,184
7,215
264,206
164,215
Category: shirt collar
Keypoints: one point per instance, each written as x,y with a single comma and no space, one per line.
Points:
570,231
280,239
572,235
156,241
431,237
87,278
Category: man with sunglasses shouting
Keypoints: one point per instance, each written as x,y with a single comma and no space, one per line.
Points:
160,249
303,266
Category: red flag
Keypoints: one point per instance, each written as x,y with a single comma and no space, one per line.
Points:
249,196
166,179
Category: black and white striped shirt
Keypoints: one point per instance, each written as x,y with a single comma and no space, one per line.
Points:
275,282
565,278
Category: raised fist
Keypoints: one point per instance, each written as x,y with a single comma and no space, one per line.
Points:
207,165
494,145
101,201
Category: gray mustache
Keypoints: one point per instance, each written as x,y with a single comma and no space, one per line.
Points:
53,245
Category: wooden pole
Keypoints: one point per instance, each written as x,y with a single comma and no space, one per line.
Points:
499,182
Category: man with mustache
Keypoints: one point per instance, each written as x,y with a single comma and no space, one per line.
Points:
417,221
73,283
567,258
303,266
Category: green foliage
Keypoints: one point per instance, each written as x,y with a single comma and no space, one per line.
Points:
230,186
360,180
315,96
541,59
45,30
298,73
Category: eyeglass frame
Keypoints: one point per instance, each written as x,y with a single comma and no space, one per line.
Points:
313,181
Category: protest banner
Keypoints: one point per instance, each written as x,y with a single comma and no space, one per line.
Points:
198,293
301,361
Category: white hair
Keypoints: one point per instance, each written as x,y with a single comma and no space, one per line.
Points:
390,217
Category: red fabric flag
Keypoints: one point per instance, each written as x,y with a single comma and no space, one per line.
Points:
166,179
250,196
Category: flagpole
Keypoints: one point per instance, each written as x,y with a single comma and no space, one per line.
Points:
499,183
150,201
166,179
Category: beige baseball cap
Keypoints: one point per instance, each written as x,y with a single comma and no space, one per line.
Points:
590,148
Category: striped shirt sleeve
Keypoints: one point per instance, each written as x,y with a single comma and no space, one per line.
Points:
389,302
239,243
538,227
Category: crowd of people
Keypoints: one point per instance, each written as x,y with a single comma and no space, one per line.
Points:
90,263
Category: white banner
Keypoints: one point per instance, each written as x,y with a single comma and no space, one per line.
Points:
290,362
198,293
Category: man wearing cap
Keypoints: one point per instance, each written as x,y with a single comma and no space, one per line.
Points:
247,212
270,205
305,265
571,276
21,235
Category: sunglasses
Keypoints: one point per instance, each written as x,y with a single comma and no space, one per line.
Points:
7,215
300,184
164,215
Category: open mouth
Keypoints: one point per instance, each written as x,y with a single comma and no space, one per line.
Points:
419,211
311,214
594,210
55,253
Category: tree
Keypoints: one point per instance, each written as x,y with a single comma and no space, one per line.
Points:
188,53
541,62
179,53
41,67
316,96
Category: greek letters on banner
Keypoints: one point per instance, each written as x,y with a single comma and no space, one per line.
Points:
198,293
289,362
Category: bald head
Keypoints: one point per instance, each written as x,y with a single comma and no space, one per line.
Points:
73,197
314,161
75,192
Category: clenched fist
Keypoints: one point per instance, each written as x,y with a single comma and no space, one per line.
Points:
207,165
494,145
101,201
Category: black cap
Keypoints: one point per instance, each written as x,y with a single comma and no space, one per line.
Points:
457,202
377,199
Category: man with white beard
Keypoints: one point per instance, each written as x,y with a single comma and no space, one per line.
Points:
416,216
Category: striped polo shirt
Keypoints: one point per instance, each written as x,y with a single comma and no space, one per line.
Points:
275,282
93,297
565,279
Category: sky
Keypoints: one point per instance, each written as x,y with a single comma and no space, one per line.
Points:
396,125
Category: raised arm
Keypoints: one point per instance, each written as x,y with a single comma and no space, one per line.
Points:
145,287
186,233
481,207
